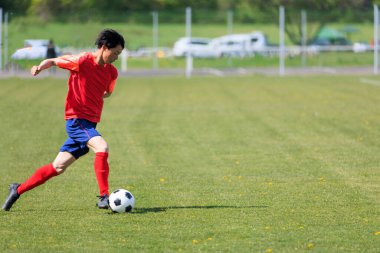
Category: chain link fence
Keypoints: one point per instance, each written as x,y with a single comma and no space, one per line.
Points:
242,40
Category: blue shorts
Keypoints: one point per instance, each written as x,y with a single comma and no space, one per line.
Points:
80,131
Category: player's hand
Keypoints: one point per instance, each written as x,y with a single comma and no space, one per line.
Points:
35,70
107,94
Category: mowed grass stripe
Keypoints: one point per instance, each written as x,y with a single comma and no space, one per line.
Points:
234,164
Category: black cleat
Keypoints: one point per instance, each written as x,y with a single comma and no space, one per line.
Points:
103,202
12,197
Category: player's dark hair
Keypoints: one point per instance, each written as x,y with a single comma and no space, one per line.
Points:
110,38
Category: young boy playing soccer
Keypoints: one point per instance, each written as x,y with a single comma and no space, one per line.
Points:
92,78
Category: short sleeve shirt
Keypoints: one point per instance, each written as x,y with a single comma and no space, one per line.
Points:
87,85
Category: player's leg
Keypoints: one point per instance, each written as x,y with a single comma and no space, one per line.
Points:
84,136
40,176
98,144
101,167
63,161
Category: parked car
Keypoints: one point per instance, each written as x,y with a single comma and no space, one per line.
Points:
33,49
361,47
240,44
161,52
196,47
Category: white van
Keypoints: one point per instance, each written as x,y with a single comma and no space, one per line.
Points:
33,49
240,44
196,47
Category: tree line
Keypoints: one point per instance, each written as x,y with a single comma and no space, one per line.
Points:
244,10
319,13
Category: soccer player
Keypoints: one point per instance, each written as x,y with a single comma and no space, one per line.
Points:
92,78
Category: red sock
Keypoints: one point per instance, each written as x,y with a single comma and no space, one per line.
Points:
101,171
39,177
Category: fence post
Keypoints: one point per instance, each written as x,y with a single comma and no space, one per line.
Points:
6,41
155,39
376,39
1,38
124,60
189,57
282,41
304,36
230,21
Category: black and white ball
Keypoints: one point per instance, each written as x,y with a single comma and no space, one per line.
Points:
121,201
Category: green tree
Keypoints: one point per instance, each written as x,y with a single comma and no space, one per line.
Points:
19,7
322,12
245,10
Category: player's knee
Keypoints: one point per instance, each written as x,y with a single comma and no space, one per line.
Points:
102,147
63,161
98,144
59,167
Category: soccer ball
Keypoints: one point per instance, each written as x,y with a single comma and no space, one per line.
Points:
121,201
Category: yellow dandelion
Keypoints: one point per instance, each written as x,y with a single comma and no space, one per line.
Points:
162,180
269,250
310,245
377,233
209,239
195,241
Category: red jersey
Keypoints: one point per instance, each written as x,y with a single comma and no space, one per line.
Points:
87,84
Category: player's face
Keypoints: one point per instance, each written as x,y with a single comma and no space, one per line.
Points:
111,54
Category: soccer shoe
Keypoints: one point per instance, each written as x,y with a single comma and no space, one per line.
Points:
12,197
103,202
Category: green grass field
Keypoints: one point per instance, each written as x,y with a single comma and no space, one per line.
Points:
235,164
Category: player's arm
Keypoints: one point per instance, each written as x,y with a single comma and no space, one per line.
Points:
45,64
111,87
69,62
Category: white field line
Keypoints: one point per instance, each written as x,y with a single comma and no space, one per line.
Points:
370,81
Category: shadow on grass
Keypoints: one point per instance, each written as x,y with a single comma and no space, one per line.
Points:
164,209
141,210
